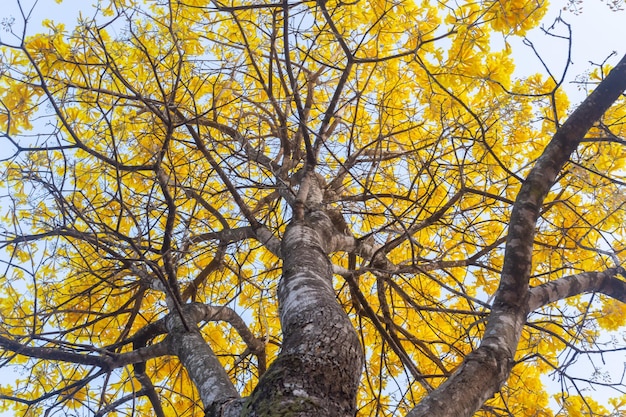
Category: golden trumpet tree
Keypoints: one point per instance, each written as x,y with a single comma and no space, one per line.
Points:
304,208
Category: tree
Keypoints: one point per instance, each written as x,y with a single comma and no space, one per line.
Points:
304,209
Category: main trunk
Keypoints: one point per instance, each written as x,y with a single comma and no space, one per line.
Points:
318,369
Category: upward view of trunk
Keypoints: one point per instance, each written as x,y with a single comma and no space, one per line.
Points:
318,369
305,209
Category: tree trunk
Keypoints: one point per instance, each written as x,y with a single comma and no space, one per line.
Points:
318,369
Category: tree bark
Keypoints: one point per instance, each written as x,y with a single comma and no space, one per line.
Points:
210,378
318,369
605,282
486,369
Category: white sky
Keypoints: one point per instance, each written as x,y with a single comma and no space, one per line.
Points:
596,33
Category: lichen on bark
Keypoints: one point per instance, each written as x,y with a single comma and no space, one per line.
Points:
318,369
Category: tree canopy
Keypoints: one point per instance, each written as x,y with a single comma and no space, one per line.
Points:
265,207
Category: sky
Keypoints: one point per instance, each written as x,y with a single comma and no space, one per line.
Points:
597,33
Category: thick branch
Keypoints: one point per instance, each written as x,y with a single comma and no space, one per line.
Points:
605,282
486,369
151,393
216,390
206,371
202,312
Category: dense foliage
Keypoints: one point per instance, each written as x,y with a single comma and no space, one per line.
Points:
153,154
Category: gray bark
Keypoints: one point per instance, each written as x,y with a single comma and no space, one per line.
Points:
318,369
486,369
605,282
205,370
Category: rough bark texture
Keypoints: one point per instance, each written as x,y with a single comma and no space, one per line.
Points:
318,369
487,368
